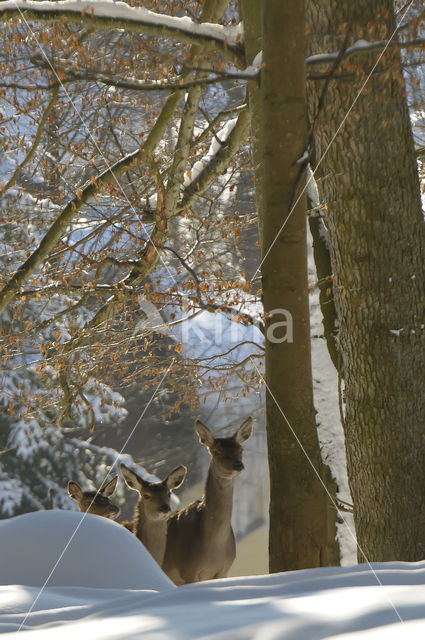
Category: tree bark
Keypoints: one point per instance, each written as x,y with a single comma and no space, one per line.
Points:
251,13
301,532
376,227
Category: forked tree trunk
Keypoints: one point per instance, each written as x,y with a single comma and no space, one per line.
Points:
369,181
302,527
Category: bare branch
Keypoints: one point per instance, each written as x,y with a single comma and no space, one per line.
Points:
54,234
134,84
43,121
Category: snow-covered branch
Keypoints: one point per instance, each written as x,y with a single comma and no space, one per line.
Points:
204,172
101,14
363,46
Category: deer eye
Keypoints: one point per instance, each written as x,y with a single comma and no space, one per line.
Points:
146,496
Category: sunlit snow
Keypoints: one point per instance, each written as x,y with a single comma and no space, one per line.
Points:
122,11
106,587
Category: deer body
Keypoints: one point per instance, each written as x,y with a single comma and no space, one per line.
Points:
96,502
149,524
200,540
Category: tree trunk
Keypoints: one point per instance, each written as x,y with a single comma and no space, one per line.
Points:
302,533
376,228
251,13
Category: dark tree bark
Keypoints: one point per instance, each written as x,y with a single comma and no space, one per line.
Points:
302,527
376,227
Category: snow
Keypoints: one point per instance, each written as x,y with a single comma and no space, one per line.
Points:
359,45
312,189
122,11
193,174
326,402
101,554
254,68
107,587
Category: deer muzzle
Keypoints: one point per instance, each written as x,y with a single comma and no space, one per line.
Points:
165,508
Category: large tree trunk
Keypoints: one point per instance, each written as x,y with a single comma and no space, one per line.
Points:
302,527
376,228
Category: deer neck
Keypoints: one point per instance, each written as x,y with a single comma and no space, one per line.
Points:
218,497
151,532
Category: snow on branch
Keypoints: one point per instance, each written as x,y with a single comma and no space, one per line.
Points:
362,46
108,13
223,147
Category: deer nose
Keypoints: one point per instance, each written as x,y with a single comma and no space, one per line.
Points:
238,465
164,508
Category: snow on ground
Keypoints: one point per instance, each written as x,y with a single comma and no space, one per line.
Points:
97,555
107,587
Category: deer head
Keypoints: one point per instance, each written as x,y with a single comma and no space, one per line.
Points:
155,496
96,502
226,453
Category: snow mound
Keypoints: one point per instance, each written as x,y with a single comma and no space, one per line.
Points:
64,548
383,601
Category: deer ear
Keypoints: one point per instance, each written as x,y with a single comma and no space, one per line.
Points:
244,431
176,477
205,436
109,488
74,490
131,479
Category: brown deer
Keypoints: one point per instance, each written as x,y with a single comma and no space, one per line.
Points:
96,502
152,509
200,540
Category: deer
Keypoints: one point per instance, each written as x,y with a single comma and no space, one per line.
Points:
200,539
96,502
149,524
